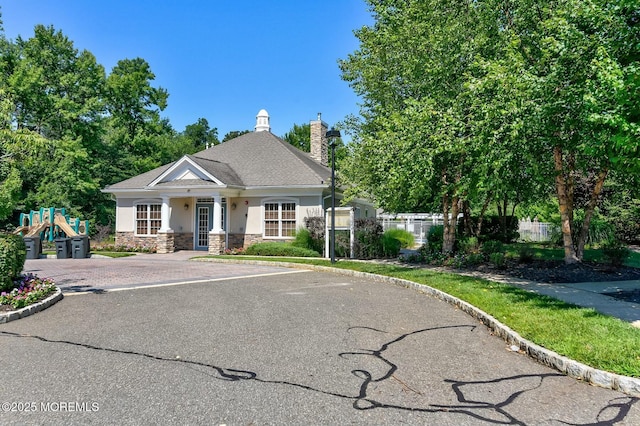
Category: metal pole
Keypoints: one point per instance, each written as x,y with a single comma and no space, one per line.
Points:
332,135
333,201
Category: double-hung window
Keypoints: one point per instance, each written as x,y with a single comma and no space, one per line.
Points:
148,219
279,219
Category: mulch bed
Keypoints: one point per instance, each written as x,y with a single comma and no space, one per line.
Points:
556,271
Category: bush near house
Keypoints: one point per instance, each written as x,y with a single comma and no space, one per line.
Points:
304,239
368,238
13,254
405,238
279,249
498,228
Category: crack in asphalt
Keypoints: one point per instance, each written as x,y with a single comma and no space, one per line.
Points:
616,410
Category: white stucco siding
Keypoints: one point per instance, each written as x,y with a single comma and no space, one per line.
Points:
125,215
182,220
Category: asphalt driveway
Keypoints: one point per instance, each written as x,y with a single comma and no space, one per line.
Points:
292,348
99,274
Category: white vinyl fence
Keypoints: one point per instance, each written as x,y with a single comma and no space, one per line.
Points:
419,223
534,231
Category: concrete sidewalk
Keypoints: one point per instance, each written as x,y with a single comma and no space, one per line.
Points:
590,295
587,294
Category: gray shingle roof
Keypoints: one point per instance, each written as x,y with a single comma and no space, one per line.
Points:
262,159
142,180
251,160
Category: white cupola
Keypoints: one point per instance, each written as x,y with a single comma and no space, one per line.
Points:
262,121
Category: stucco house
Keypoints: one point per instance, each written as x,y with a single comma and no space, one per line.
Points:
253,188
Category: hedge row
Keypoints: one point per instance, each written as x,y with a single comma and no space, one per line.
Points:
13,254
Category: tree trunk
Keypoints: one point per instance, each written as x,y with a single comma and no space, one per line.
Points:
588,214
467,219
450,223
566,210
485,206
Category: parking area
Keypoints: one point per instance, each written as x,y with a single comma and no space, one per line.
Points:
263,345
98,274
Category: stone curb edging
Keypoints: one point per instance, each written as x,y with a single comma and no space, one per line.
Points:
31,309
573,369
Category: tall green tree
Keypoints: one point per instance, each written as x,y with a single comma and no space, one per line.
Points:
582,60
56,96
201,135
134,126
299,136
415,147
234,134
465,101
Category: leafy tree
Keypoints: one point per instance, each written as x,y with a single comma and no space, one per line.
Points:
414,148
299,136
468,101
132,101
234,134
200,135
54,96
582,60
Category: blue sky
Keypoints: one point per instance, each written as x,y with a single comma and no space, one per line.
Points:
223,60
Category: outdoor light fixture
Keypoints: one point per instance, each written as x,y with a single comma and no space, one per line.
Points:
332,135
186,206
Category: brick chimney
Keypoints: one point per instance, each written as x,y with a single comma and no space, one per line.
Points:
319,146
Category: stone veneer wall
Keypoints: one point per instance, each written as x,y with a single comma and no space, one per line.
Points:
130,240
165,242
243,240
183,241
216,244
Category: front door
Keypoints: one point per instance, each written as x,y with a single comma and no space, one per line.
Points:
204,221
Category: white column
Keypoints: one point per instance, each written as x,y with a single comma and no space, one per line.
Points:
217,214
164,214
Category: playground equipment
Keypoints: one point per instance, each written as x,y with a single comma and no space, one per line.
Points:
71,235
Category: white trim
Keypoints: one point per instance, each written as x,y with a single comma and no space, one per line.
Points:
279,201
146,202
179,164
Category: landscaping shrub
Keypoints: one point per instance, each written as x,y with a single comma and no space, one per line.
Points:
279,249
498,259
315,226
390,244
469,245
492,228
526,253
435,239
343,244
303,239
405,237
490,247
368,238
600,231
624,214
13,254
474,259
615,253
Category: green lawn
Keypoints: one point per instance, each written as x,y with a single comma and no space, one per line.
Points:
581,334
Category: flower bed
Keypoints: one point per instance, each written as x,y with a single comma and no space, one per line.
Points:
28,289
